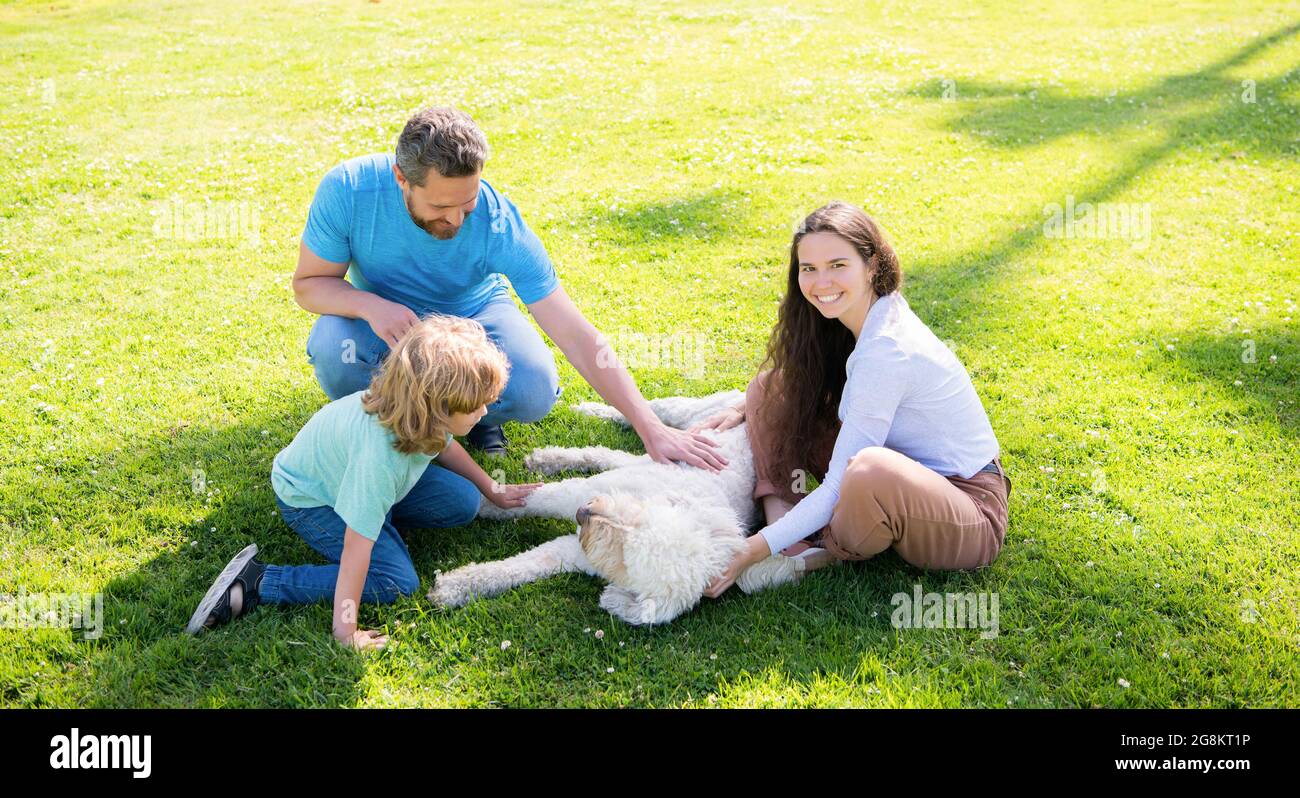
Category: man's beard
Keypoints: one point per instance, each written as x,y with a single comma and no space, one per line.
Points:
442,233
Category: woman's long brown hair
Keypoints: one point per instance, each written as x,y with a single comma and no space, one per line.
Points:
807,351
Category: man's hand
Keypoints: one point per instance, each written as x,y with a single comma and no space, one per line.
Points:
507,496
389,320
667,445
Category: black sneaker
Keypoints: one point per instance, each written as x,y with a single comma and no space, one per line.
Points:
491,439
215,609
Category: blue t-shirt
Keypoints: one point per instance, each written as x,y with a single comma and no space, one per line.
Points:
344,458
358,217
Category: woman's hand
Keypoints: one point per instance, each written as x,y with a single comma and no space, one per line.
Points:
722,420
361,639
755,550
507,496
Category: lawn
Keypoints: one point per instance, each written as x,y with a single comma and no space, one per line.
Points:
158,159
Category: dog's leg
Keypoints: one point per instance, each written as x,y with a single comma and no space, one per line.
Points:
775,571
675,411
477,580
554,459
552,500
628,607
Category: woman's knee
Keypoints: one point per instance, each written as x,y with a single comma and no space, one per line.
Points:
872,467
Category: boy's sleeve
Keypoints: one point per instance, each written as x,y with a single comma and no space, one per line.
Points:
329,219
515,251
367,491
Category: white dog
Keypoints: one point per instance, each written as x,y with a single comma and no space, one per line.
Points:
659,534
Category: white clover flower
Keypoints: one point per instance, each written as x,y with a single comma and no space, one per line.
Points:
1124,683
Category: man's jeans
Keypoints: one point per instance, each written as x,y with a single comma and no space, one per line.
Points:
440,501
345,352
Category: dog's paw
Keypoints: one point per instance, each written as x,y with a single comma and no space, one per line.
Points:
774,571
646,610
448,591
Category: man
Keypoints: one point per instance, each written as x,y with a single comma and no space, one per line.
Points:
421,231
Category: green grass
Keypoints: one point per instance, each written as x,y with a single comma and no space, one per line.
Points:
662,151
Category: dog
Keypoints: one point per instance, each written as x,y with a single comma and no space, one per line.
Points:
658,534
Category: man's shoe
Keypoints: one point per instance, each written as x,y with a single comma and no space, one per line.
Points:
491,439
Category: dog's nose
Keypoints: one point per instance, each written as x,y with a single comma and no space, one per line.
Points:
584,512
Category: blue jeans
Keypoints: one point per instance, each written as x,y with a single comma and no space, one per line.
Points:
440,499
345,352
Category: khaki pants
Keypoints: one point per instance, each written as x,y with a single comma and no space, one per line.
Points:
887,500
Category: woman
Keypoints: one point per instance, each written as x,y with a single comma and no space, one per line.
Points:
911,464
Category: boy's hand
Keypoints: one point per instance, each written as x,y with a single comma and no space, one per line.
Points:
507,496
361,639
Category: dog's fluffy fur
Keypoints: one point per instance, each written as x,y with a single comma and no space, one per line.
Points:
659,534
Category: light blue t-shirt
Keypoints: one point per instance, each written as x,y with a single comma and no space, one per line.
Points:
344,458
358,217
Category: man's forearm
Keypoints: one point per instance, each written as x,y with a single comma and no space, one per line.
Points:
607,375
332,296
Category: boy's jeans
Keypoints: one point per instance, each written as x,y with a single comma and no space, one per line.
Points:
437,500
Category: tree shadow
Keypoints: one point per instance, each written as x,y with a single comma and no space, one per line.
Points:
703,219
1257,369
1019,116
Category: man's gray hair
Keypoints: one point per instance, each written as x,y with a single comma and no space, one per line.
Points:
443,138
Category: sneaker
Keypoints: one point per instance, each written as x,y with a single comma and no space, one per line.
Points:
491,439
215,608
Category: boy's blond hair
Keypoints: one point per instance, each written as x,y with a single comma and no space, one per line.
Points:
442,365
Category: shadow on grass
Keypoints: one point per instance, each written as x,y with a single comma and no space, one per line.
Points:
1266,361
1022,115
277,655
704,218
